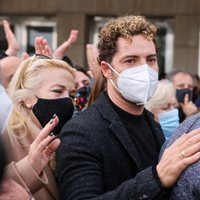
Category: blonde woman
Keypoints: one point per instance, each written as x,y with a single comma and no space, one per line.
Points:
40,92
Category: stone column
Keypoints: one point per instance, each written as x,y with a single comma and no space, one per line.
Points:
186,44
65,23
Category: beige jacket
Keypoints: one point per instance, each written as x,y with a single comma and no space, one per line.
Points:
42,187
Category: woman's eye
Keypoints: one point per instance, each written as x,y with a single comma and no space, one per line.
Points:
165,108
57,91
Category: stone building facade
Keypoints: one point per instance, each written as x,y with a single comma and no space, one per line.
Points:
181,36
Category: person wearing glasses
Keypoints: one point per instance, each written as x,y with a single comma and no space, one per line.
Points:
40,92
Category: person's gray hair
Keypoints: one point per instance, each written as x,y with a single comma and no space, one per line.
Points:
170,76
164,92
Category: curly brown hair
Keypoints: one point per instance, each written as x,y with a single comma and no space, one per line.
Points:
125,27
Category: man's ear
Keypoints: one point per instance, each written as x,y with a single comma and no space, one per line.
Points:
107,72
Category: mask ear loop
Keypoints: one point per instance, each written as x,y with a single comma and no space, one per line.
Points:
114,85
113,69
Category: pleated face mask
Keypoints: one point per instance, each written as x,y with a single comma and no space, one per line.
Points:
169,122
136,84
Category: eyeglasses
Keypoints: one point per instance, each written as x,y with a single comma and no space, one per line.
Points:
33,58
41,56
37,56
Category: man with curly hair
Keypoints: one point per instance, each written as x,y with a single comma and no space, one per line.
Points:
110,151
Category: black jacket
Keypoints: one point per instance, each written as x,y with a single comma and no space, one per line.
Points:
98,160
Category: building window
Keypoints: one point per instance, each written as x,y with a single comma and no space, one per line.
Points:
26,29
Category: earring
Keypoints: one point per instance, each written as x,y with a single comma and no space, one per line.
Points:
28,106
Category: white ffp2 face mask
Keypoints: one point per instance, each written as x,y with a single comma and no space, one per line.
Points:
5,108
136,84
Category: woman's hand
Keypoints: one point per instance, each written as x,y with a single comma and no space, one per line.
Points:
11,190
43,146
13,45
42,47
176,158
62,49
92,55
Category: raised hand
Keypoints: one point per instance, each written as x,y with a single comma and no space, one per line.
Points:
176,158
42,47
188,107
43,146
62,49
92,55
13,45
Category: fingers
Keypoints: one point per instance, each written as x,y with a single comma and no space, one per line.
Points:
187,152
7,29
186,98
46,130
73,36
13,45
38,45
186,161
47,50
43,145
42,47
182,153
24,56
92,54
187,139
52,147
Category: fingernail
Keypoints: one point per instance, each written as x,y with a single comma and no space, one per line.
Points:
51,134
51,121
54,116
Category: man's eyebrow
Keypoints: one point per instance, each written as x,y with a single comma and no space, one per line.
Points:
136,56
128,57
152,55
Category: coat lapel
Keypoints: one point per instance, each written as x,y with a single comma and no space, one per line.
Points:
156,129
118,129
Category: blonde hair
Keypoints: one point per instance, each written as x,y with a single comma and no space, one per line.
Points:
25,81
164,92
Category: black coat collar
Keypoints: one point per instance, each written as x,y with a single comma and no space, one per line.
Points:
119,130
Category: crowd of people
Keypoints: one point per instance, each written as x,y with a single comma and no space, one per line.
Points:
111,131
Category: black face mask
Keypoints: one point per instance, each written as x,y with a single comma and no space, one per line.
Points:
44,110
180,94
81,97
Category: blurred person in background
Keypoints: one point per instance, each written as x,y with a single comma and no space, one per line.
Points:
8,67
163,105
183,83
83,88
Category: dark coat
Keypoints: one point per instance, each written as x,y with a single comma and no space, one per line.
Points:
98,160
188,185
